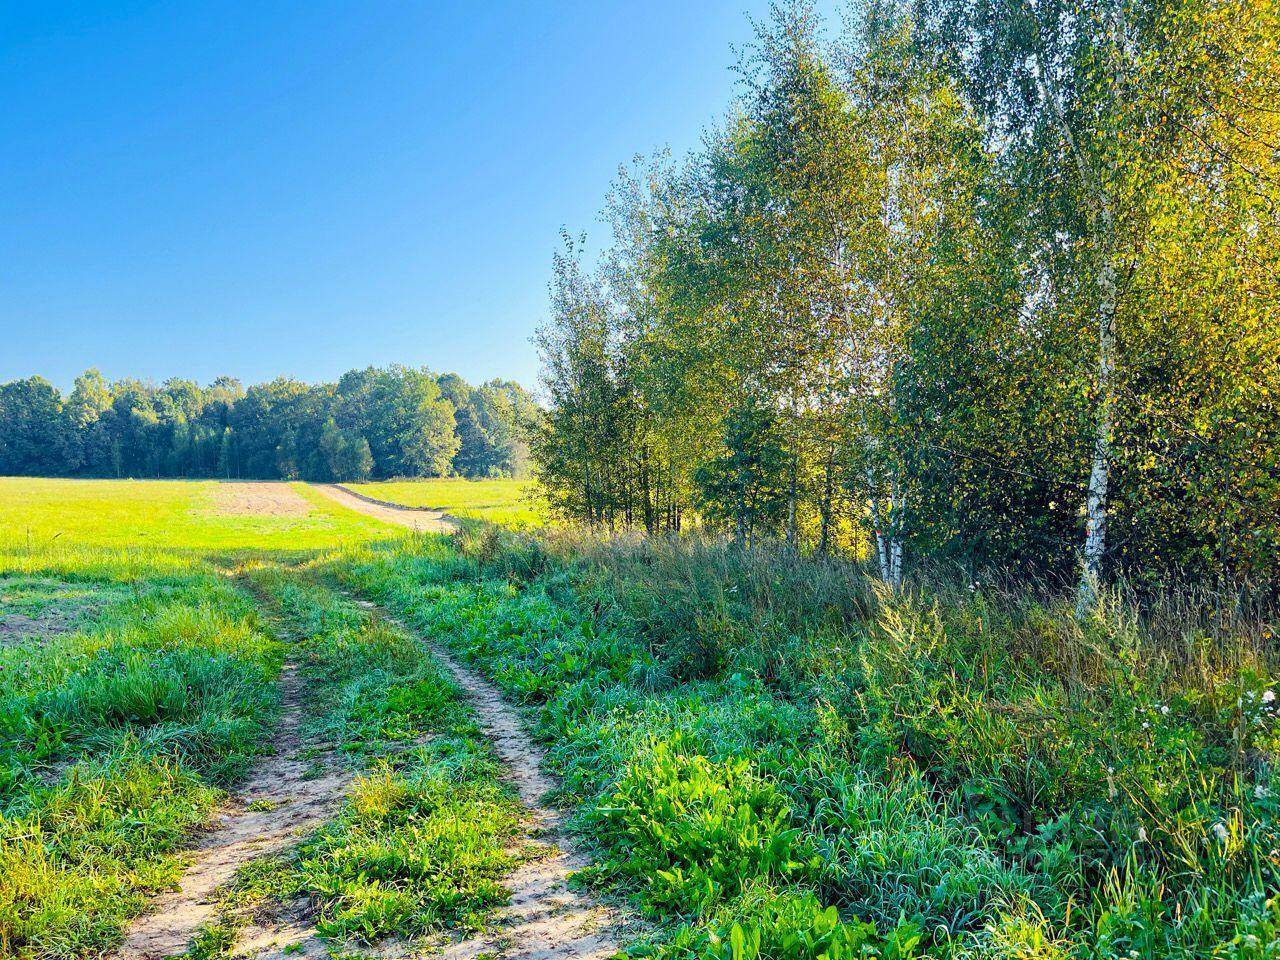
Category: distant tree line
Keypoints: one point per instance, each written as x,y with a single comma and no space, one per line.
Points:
992,284
391,422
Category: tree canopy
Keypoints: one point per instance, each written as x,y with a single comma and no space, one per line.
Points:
376,422
985,283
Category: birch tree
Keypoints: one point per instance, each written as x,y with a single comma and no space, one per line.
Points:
1053,76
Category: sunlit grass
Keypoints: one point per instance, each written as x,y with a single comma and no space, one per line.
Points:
175,514
137,681
779,753
119,725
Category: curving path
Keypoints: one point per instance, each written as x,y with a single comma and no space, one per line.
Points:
415,518
547,918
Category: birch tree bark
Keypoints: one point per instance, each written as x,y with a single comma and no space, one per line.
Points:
1103,227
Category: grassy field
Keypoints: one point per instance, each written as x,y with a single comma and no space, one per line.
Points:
117,736
198,515
143,630
510,503
768,756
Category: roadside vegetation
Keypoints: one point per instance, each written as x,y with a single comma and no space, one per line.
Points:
778,757
118,738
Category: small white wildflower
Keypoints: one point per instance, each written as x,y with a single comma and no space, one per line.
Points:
1111,769
1146,725
1269,696
1220,831
1259,791
1142,834
1164,710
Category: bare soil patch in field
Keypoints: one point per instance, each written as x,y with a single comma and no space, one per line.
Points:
40,608
18,628
415,518
260,499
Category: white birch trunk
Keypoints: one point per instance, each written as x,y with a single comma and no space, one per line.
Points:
791,505
1095,531
882,542
1102,223
888,538
895,537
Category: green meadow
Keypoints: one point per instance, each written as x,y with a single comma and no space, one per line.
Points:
765,755
144,630
187,515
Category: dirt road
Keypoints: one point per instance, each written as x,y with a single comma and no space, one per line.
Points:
429,521
282,802
545,920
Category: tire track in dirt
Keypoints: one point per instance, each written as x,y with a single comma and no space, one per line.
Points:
415,518
290,794
546,919
286,797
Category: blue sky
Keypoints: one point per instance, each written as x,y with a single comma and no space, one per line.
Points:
262,188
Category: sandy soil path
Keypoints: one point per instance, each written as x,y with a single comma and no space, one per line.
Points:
293,793
431,521
291,796
546,920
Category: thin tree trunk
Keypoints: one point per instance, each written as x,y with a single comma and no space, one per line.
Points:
791,502
877,520
1103,227
824,534
895,536
740,533
646,493
1095,536
595,511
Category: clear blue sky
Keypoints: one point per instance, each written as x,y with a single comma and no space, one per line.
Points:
258,188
